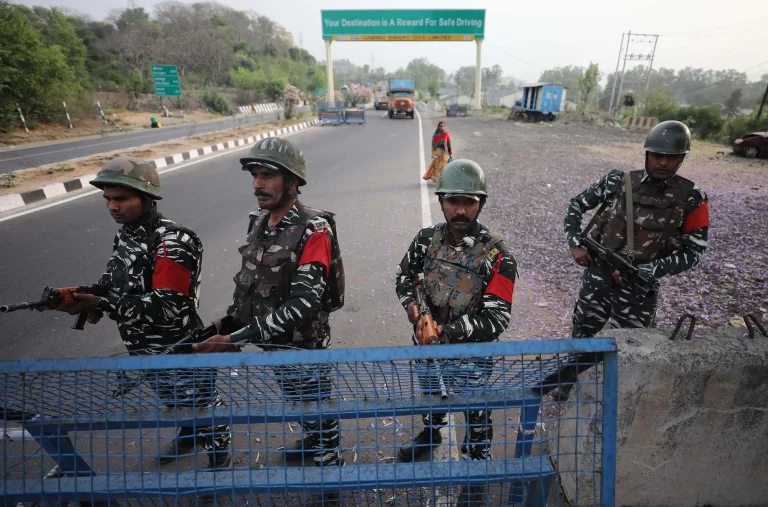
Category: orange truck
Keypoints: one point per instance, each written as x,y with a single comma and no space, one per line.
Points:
401,99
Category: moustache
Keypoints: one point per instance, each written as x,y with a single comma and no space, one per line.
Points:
261,193
459,220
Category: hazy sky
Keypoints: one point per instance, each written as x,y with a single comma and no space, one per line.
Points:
528,37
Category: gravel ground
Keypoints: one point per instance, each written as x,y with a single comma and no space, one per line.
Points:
535,169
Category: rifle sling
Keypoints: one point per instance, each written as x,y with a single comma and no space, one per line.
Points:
630,215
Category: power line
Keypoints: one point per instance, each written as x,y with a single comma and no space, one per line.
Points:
714,29
514,56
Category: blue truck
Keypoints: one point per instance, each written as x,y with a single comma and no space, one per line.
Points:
540,101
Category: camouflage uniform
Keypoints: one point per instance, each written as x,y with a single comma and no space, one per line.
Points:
279,300
153,280
469,288
671,230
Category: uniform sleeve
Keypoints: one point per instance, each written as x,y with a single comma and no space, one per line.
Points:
411,265
595,195
307,288
695,233
494,314
169,301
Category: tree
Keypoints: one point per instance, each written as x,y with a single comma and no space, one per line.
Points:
34,76
422,72
733,104
658,104
433,87
587,85
464,78
492,77
567,76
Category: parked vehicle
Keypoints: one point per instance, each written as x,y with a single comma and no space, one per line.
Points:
752,145
380,101
541,101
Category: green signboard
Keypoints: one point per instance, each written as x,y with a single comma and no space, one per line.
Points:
321,90
403,25
166,78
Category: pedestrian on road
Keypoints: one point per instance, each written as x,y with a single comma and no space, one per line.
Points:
291,279
670,222
153,281
468,278
442,153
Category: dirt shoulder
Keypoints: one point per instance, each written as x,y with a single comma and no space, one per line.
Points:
535,169
30,179
95,126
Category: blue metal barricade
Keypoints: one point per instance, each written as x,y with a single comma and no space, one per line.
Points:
354,115
331,113
92,430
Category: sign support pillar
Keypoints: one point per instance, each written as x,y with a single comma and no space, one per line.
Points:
478,74
329,70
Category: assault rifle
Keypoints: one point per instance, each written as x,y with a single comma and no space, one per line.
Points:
426,323
618,262
56,298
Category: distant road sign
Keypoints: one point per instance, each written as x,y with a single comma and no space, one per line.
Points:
166,79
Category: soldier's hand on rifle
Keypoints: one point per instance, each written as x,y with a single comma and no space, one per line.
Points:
84,303
218,343
440,336
94,316
413,312
581,255
618,279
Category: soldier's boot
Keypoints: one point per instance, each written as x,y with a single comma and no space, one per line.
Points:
301,448
184,443
471,496
422,444
220,459
561,393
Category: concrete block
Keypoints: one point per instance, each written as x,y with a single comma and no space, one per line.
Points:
692,423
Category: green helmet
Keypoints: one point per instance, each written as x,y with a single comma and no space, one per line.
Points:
276,151
129,172
669,138
463,177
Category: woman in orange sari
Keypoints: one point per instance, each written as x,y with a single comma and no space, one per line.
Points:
441,153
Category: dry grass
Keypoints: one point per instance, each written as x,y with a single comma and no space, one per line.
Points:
31,179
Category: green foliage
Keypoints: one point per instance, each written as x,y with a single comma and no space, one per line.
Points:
216,102
34,76
587,84
433,87
706,122
742,125
567,76
658,104
733,103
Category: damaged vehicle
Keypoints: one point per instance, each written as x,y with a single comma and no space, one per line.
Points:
752,145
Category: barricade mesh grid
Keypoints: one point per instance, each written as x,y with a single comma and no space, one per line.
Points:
121,423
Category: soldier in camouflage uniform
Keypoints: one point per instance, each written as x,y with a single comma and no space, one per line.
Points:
468,277
153,280
282,290
671,218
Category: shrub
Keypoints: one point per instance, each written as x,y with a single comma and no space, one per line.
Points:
216,102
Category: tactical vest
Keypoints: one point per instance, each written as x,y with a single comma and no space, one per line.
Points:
453,279
263,283
130,272
658,216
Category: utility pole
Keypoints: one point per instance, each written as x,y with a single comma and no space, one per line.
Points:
637,38
650,66
623,69
762,103
616,74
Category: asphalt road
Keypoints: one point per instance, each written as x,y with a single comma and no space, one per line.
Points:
369,175
49,153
